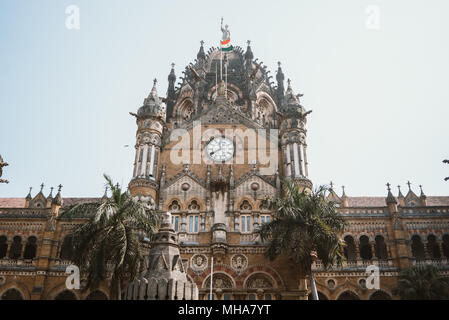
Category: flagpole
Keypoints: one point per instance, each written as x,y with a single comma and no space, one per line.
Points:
226,78
211,277
221,62
216,80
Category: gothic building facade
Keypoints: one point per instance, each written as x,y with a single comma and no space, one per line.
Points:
198,156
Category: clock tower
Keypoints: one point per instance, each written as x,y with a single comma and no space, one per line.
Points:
226,139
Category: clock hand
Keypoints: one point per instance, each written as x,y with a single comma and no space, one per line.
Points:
215,151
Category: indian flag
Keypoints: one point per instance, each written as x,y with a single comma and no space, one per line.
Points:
226,45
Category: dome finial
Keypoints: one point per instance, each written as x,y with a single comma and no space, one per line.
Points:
201,54
249,53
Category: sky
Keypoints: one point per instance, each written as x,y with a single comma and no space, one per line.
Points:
375,73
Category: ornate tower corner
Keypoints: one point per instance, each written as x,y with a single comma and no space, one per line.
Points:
150,120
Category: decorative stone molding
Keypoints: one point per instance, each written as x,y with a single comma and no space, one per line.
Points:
239,262
198,262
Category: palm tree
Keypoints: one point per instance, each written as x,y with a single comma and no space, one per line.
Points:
111,241
305,226
422,282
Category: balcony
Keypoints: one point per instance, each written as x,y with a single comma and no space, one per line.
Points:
20,264
358,264
188,238
439,263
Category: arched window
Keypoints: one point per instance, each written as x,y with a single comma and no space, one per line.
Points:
66,248
3,246
417,248
348,295
446,245
349,249
30,248
246,206
16,248
321,296
433,248
66,295
97,295
381,248
380,295
12,294
194,206
174,206
365,248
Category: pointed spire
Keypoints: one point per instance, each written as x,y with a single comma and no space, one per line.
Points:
280,80
390,197
50,196
399,192
344,198
57,200
249,56
409,188
42,187
29,197
331,185
422,192
201,55
172,76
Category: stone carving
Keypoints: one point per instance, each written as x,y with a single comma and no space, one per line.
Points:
148,200
3,164
239,262
259,282
198,262
220,281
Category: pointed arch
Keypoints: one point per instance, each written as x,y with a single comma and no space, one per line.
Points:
12,294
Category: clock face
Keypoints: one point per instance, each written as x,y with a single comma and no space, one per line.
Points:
220,149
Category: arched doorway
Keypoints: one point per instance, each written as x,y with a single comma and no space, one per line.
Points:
433,248
30,248
349,250
16,248
66,295
66,248
12,294
348,295
380,295
381,248
3,246
365,248
97,295
321,296
417,248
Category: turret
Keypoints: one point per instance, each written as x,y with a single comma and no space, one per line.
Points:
166,276
56,203
280,89
28,198
171,97
293,139
150,119
423,197
50,198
